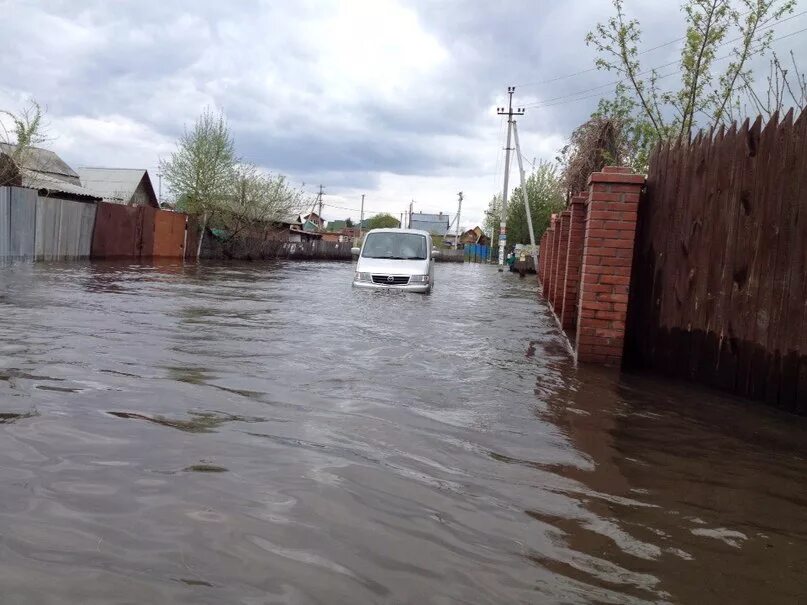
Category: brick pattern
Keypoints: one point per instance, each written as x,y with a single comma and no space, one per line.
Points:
562,247
610,231
546,283
574,261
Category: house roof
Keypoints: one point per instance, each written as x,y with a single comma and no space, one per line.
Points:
117,184
433,223
289,220
43,161
51,184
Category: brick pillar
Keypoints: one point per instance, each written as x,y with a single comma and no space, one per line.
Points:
559,281
550,255
574,261
610,232
541,256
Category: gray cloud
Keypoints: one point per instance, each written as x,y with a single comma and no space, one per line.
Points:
360,94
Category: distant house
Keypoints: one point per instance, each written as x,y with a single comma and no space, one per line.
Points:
314,219
46,172
310,226
338,225
472,236
126,186
436,224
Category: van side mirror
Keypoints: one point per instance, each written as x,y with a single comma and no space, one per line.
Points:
355,251
435,253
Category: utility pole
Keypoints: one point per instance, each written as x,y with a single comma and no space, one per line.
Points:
361,220
459,215
503,225
160,188
411,206
402,219
319,201
526,198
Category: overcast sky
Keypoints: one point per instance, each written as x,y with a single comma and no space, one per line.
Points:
393,99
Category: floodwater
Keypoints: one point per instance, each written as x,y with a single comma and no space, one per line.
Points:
263,433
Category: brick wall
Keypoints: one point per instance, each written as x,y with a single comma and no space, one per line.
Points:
585,276
574,261
562,247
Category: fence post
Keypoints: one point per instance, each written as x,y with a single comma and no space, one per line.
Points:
550,257
562,246
574,261
610,232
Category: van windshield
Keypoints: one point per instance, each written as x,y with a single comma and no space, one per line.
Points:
399,246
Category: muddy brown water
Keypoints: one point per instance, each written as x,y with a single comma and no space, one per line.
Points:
263,433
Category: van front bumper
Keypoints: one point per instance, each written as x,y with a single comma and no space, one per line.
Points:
405,288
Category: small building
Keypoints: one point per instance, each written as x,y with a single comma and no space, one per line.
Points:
315,219
436,224
43,170
475,236
126,186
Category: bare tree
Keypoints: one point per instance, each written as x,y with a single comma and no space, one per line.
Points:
787,85
256,199
20,132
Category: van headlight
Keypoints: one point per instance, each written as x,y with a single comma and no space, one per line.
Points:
419,279
363,276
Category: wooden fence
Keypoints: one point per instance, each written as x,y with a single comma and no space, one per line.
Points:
265,249
719,278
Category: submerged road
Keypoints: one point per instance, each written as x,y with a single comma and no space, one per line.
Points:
263,433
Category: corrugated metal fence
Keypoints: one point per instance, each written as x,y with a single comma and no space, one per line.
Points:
476,253
138,232
33,227
42,228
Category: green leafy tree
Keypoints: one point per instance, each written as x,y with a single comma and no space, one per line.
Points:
704,96
383,221
201,172
493,218
546,196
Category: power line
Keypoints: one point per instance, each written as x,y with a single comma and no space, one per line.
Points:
572,97
591,69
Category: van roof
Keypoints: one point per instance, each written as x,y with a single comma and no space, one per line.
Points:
396,230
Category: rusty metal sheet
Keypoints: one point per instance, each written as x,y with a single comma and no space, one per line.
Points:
116,232
147,218
169,234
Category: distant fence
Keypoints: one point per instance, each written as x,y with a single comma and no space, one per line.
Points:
255,249
476,253
720,270
33,227
450,256
138,232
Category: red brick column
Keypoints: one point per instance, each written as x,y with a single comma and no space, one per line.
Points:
559,280
541,256
610,232
550,256
574,261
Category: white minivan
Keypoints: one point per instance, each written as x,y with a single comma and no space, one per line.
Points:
399,259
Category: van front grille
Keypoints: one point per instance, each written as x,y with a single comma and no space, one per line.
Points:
391,280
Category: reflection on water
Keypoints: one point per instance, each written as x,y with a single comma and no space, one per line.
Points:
262,433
